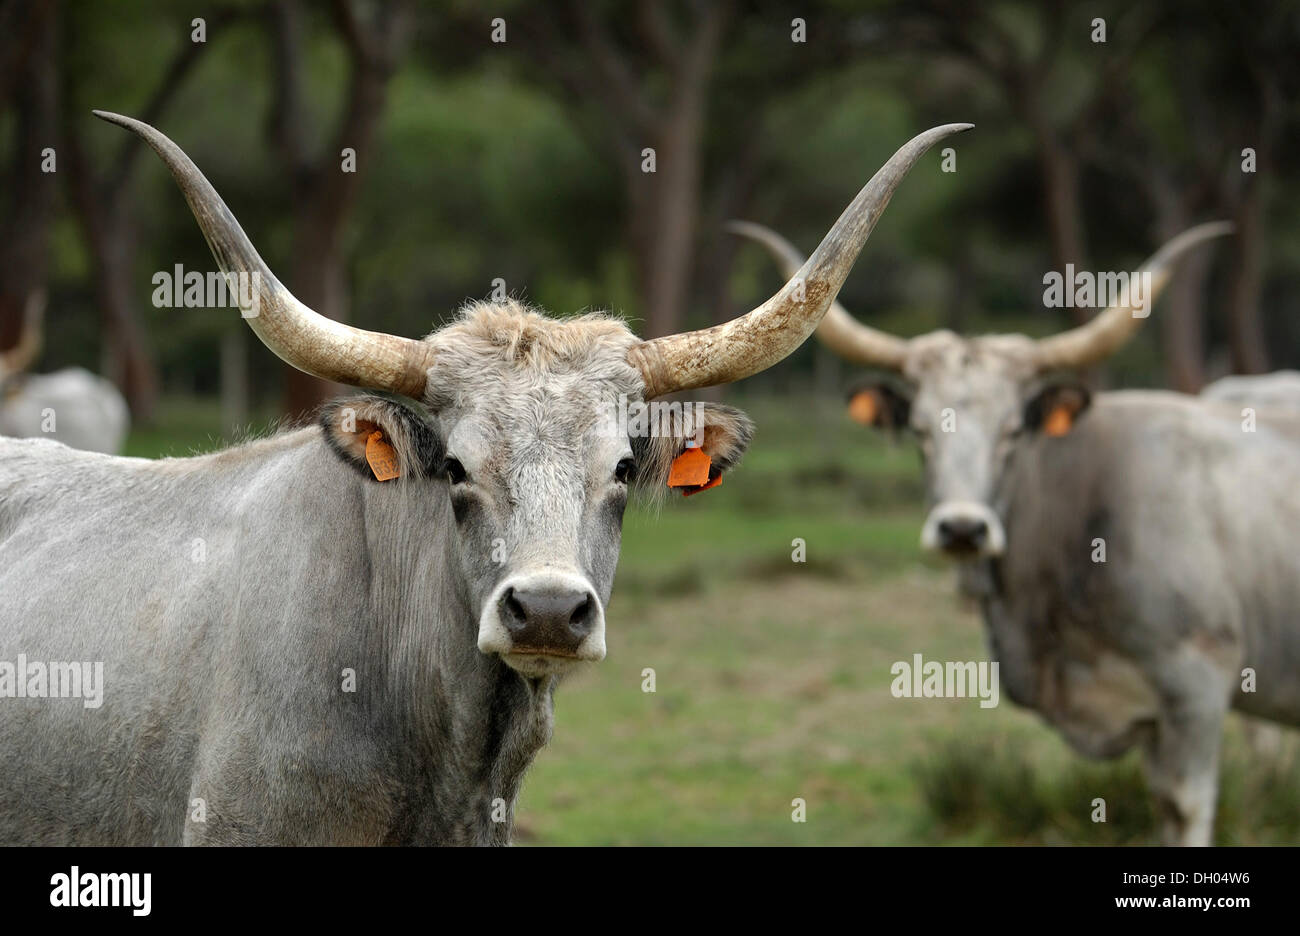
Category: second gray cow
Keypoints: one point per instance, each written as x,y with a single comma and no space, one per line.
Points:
72,405
1133,552
1280,389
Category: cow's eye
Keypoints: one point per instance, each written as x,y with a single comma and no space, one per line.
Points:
454,470
625,471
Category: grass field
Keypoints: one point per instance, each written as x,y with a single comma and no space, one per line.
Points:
772,677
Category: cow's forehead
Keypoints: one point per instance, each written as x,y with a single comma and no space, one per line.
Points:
511,385
504,359
528,415
985,372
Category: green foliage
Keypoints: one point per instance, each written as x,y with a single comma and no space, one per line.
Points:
485,168
1002,790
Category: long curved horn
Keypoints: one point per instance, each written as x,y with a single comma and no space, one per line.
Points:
760,338
839,330
303,338
28,348
1108,331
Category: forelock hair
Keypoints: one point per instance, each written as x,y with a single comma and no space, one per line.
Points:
490,340
945,350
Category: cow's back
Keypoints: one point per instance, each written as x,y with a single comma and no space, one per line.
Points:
1276,389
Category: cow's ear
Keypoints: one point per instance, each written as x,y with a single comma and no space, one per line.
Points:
1055,409
880,404
725,436
381,438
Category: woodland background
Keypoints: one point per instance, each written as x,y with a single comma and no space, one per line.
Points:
521,160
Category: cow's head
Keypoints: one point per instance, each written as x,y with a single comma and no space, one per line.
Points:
520,426
971,403
527,435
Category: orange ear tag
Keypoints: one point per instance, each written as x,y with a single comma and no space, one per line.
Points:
862,408
687,492
382,458
690,471
1058,421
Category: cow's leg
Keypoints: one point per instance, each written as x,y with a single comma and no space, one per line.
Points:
1182,760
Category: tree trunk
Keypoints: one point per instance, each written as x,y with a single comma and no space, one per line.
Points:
1060,176
664,206
317,278
1245,326
24,242
1058,171
111,237
1182,317
323,192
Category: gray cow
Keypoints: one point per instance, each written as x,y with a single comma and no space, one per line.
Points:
295,651
72,405
1133,552
1277,389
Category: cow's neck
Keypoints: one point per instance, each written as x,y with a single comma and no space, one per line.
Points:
468,726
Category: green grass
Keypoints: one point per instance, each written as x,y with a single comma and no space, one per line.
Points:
772,677
996,790
186,426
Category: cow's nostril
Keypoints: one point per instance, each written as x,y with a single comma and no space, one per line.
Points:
580,620
959,533
515,614
556,619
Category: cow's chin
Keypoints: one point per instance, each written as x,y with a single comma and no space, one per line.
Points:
534,664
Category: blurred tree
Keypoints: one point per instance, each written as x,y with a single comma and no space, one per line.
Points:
681,79
1160,108
1181,138
1055,81
649,84
1265,45
103,204
522,160
325,185
28,83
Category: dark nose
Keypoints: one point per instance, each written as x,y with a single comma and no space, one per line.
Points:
962,534
549,621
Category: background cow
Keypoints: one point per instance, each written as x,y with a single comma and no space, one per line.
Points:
1279,388
351,633
71,405
1133,551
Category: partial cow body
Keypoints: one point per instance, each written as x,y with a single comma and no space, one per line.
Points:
72,406
274,573
85,411
1151,561
225,665
1278,388
1134,552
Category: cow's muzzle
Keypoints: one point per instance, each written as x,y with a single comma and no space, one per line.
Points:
963,530
544,623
